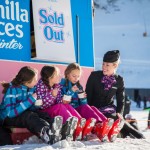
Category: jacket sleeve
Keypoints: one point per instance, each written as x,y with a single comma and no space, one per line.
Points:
65,89
14,108
46,96
120,96
59,95
89,88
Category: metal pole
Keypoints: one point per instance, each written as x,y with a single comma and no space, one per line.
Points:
78,39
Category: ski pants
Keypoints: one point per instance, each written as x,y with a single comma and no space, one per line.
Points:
34,121
64,110
87,111
5,137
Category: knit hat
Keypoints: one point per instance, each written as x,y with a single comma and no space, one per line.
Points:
111,56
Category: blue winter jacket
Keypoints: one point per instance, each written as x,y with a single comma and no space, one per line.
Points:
66,90
16,100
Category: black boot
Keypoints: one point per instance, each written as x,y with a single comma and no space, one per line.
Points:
69,128
53,135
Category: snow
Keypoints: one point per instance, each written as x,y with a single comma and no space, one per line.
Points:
120,144
121,27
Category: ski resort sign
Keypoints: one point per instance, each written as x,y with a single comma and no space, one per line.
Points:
13,18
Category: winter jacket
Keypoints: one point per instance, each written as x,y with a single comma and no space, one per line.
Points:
16,100
44,93
98,97
67,90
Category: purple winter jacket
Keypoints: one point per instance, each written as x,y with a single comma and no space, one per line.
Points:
44,93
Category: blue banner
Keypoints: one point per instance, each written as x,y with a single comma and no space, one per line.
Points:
14,29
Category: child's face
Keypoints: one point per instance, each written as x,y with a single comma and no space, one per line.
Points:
74,76
55,78
108,68
32,83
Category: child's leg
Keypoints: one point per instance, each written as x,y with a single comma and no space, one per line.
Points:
62,110
5,137
45,116
81,122
102,116
87,112
72,111
36,125
29,120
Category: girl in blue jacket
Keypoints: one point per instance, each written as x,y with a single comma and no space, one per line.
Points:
18,107
71,86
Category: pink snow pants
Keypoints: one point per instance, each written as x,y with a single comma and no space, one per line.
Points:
87,111
64,110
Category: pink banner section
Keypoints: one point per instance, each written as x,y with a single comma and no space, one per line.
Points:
10,68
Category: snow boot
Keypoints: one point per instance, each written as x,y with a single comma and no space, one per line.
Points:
102,129
114,131
90,123
45,135
69,128
56,129
53,135
78,131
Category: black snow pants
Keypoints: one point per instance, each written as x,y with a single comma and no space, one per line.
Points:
34,121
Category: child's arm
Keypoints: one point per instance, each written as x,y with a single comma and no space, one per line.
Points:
59,94
46,96
13,106
67,91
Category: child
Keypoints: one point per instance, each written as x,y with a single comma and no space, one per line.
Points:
18,107
49,90
72,86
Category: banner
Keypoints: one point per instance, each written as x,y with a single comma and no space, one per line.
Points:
53,30
14,29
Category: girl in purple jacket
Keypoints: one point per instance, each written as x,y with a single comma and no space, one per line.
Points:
49,90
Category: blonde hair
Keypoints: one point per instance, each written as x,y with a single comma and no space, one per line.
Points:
70,67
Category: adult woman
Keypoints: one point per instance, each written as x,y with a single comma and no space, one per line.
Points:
102,86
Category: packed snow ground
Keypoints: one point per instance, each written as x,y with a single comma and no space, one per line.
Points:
120,144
